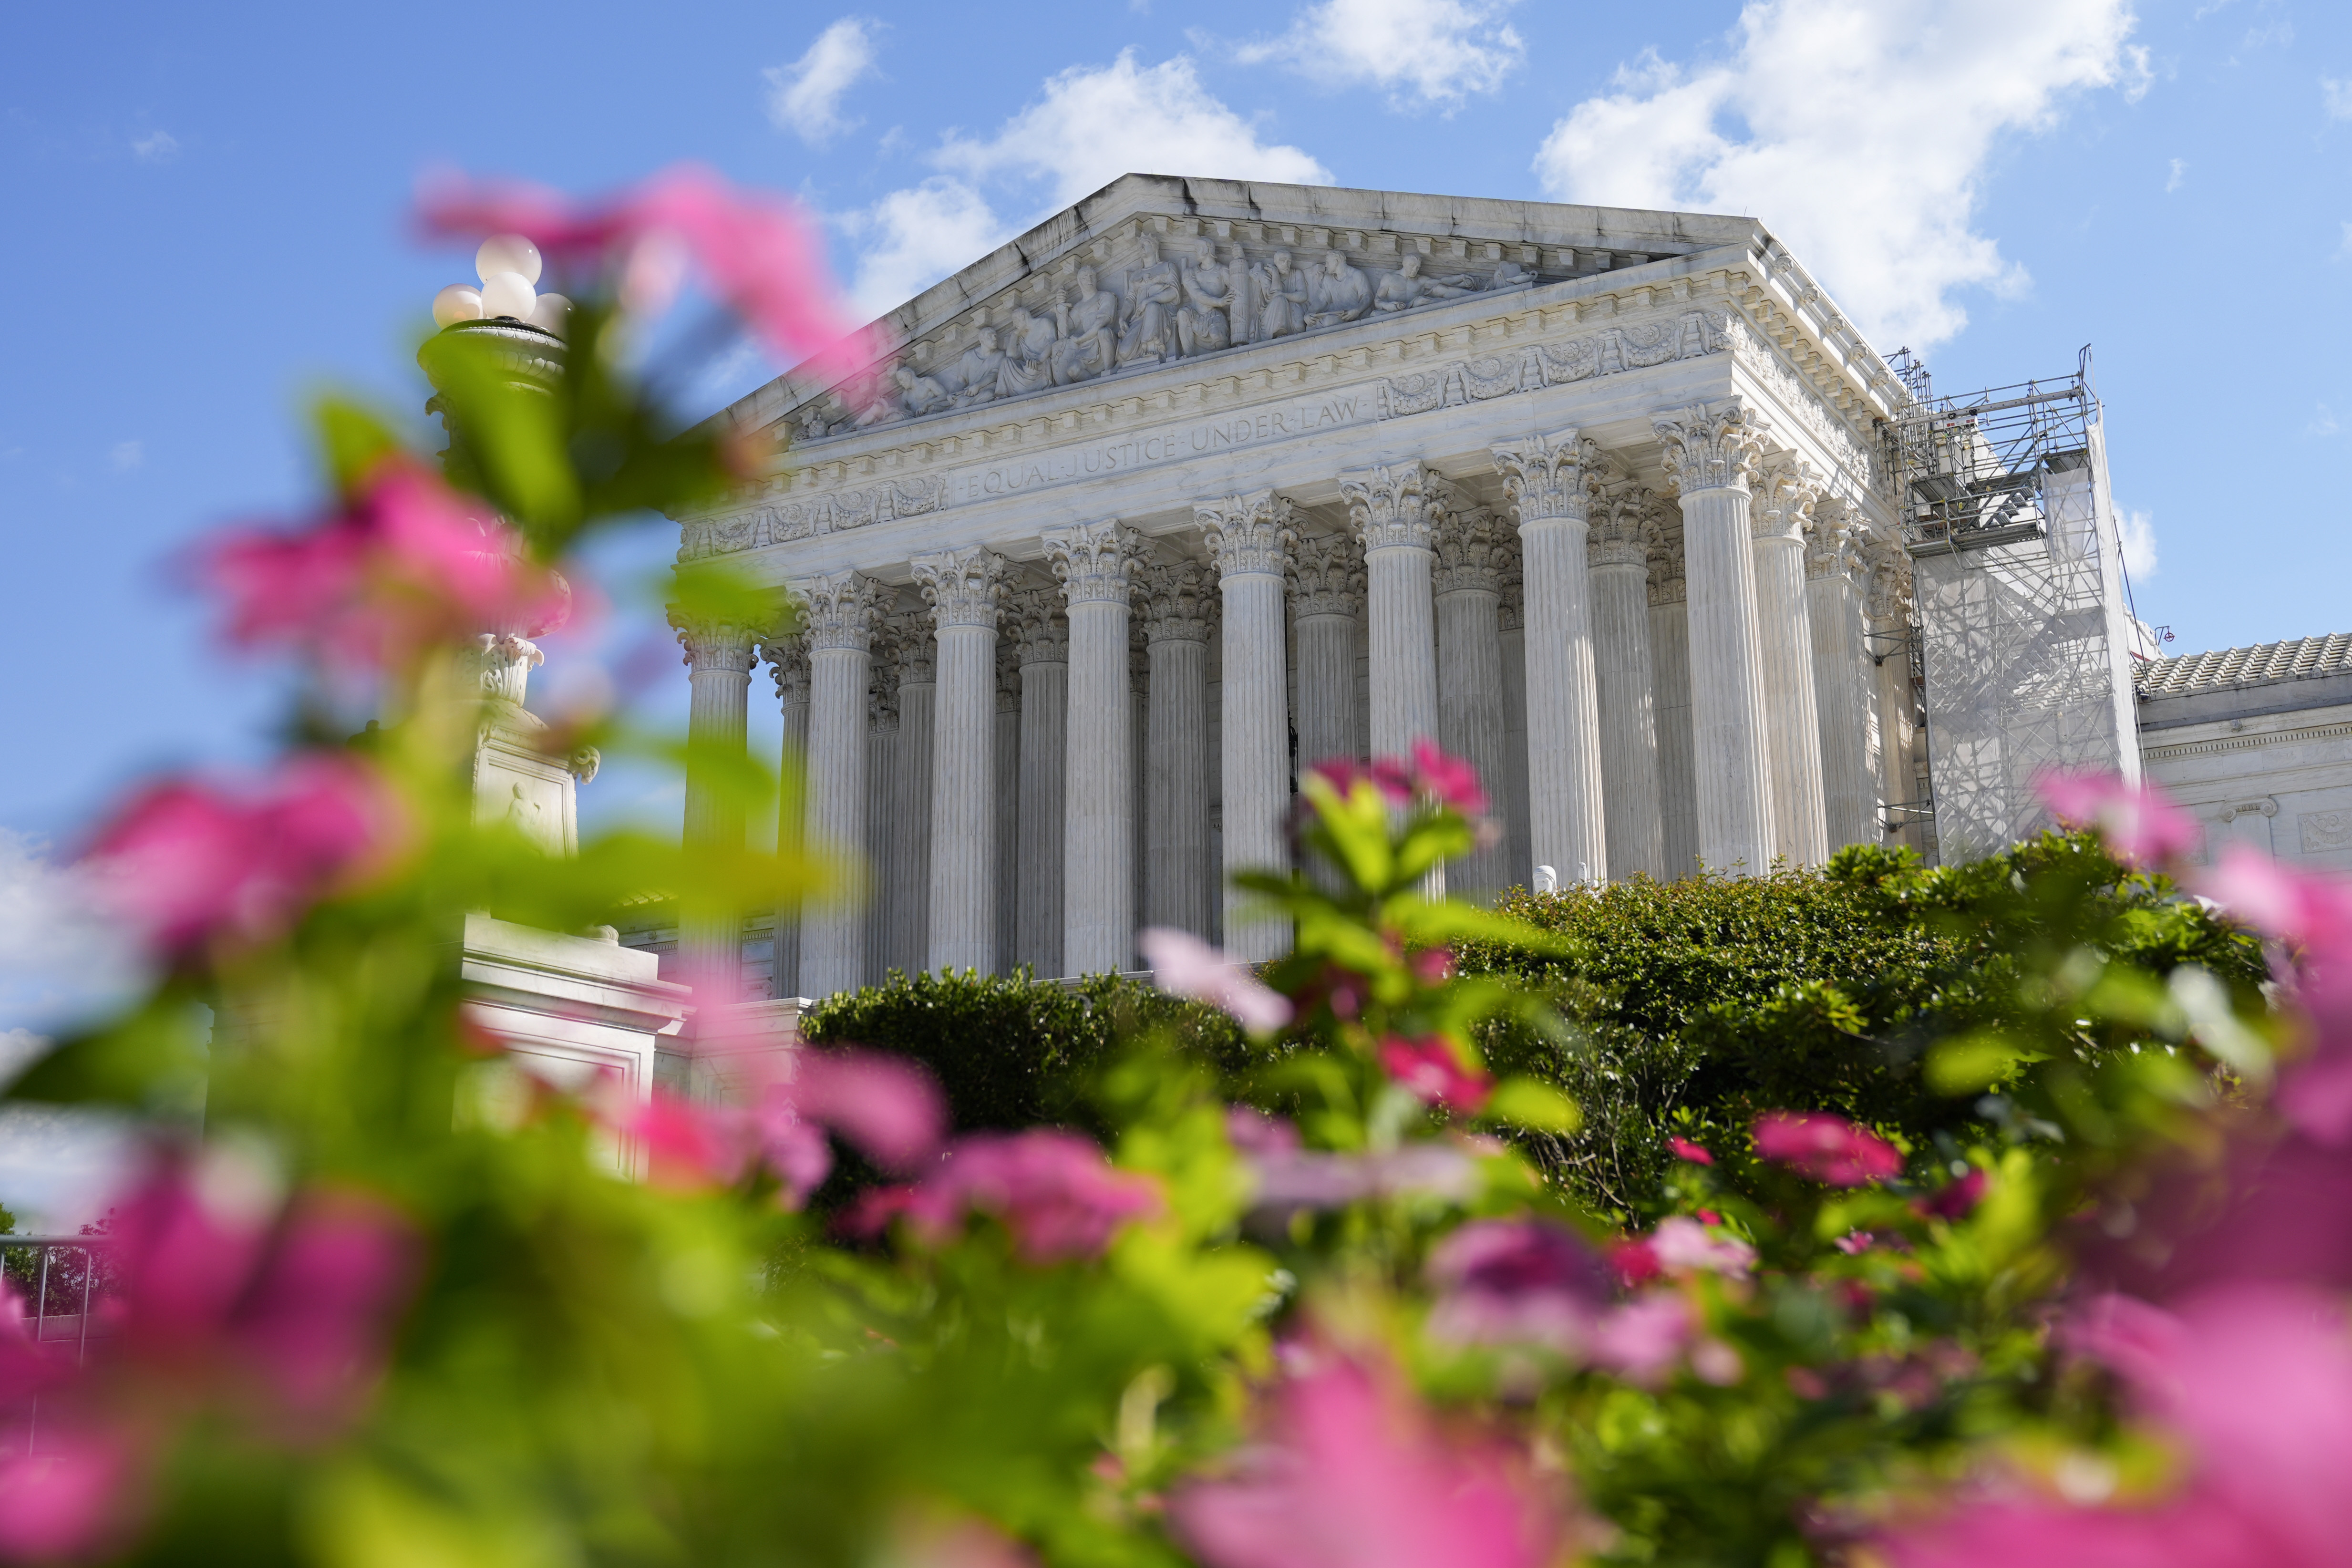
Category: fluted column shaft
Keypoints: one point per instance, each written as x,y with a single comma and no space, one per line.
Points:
1044,717
1094,562
1008,809
1511,792
1670,675
1785,637
1618,560
838,613
961,586
1710,454
1249,538
1394,512
1327,588
1894,704
1548,478
718,658
916,755
1842,678
1177,607
1474,550
789,657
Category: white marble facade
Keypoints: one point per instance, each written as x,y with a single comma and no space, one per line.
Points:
1200,481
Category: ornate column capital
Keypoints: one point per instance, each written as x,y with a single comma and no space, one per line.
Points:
1396,505
1095,561
1620,526
709,645
1667,584
838,611
1008,676
1833,545
1474,550
1038,630
788,663
1784,488
1890,581
1548,477
1710,445
1178,601
882,683
1248,534
1327,576
919,656
962,586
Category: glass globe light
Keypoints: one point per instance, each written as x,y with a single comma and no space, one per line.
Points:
508,294
456,303
507,252
553,313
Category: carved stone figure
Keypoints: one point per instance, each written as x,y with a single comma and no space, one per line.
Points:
1248,303
919,393
975,373
1201,325
1154,290
1405,288
1341,292
1284,290
1028,353
1510,274
1089,332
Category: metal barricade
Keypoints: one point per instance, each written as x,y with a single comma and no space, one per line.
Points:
56,1285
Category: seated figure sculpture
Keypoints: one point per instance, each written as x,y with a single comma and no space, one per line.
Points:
1028,349
1201,323
919,393
1088,346
975,372
1341,292
1154,290
1284,288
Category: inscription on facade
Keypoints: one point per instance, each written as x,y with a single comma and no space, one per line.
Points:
1172,443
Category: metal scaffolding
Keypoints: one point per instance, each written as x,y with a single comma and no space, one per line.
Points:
2024,624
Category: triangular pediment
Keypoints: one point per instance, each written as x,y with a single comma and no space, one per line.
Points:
1154,270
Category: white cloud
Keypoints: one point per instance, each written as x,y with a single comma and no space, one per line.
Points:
2337,96
2344,246
1858,130
1434,51
128,454
60,953
805,97
2322,422
2179,173
155,147
2137,531
1088,125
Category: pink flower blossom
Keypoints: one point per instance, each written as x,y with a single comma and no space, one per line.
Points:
1184,965
1956,1200
1344,774
316,1318
1636,1260
190,864
71,1498
1685,1150
1641,1340
1432,1070
1452,782
2312,913
1528,1282
889,1108
1827,1148
1054,1191
1355,1474
406,562
2136,822
1290,1179
1682,1245
759,251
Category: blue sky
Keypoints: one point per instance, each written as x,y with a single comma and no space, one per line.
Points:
206,206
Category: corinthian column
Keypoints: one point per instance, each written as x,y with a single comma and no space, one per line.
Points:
1782,506
1248,538
839,614
1841,674
961,587
1896,707
908,911
1094,562
1711,453
1042,635
1546,476
1617,552
1326,590
1008,803
1394,513
718,657
1474,550
1670,666
884,846
788,656
1510,791
1178,604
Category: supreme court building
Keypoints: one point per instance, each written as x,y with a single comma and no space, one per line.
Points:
1198,482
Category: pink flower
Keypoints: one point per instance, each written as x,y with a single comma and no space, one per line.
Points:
2312,913
1956,1200
190,864
758,252
1290,1179
1344,774
1641,1340
1054,1191
406,562
886,1105
687,1144
1827,1148
1682,1245
2138,823
1452,782
1432,1070
316,1318
71,1498
1184,965
1356,1474
1636,1260
1685,1150
1529,1281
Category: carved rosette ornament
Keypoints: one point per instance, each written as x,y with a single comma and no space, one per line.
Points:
1095,562
1784,489
1474,550
1327,576
962,586
1249,535
1036,627
1833,545
1397,507
711,645
1177,603
837,611
1709,447
1549,477
1620,526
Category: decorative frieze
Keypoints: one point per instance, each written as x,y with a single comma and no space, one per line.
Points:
1095,562
1248,535
962,586
1714,446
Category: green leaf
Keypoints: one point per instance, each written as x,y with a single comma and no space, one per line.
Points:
1536,1106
